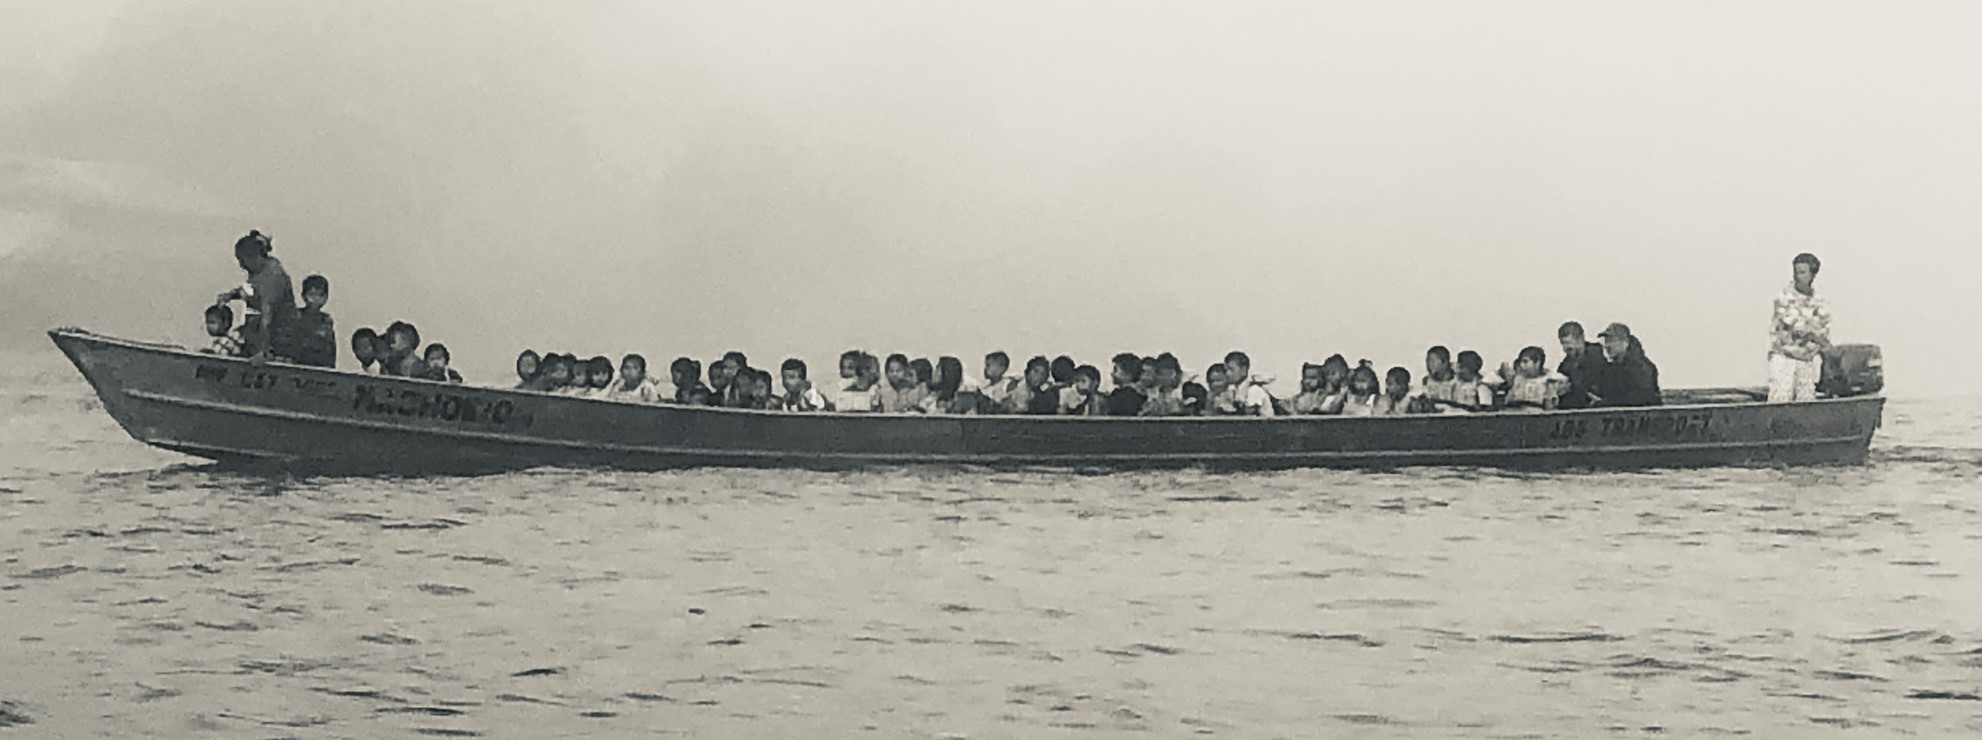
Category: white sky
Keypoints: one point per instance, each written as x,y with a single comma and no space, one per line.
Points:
1294,179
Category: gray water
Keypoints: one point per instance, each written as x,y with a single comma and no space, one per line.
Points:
145,594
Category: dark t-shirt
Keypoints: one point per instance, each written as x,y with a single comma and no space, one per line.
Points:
1045,400
275,298
1125,401
316,338
1582,372
1630,381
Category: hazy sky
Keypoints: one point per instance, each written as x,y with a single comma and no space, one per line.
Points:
1294,178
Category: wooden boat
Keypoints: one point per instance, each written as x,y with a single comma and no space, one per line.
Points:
311,418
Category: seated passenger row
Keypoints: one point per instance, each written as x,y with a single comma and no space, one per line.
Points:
1142,385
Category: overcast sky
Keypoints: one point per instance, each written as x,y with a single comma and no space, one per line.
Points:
1295,178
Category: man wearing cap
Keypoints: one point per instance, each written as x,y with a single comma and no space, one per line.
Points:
1582,362
1629,378
1801,333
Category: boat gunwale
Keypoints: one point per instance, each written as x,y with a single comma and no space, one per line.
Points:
179,350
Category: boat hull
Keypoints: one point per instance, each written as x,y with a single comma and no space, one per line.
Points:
314,418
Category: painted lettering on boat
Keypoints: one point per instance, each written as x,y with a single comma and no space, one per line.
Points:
1693,424
418,404
262,380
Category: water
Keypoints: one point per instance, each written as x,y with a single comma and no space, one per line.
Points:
144,594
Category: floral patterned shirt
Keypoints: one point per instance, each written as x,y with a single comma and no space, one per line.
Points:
1802,324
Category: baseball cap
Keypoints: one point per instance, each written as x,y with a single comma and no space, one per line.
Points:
1616,329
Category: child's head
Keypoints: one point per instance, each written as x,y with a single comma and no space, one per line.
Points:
1148,377
949,375
1397,383
1238,366
869,373
220,320
401,340
899,373
1362,380
1310,377
1470,364
721,374
599,370
1062,370
633,370
1169,372
1087,378
436,356
1126,369
365,347
997,364
849,364
1037,371
924,370
1218,377
736,360
792,372
1334,372
528,364
316,292
760,383
1438,360
558,370
1531,363
1195,396
683,372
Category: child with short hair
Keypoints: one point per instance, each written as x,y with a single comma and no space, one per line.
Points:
996,391
434,365
800,396
365,347
1128,396
722,375
1218,384
1146,381
1085,398
599,371
1035,394
1397,398
224,340
634,386
686,374
1248,391
1474,392
315,332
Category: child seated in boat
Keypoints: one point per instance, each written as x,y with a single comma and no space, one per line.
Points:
799,395
223,340
1036,394
1128,396
721,376
366,347
901,392
1217,383
634,386
1146,380
1166,396
1312,398
1248,391
529,369
1440,384
863,395
947,394
753,390
402,346
315,333
995,393
1061,372
598,370
1398,398
1334,385
1475,394
434,365
1084,396
688,387
554,374
1364,391
1531,385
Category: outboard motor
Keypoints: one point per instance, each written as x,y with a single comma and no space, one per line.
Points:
1852,370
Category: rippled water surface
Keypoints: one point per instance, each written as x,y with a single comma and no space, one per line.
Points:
144,594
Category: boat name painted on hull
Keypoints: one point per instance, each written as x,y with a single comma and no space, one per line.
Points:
452,407
1694,424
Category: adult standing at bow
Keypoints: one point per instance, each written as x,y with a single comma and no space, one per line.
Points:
270,297
1800,334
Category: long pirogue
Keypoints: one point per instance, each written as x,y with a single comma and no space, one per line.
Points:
313,418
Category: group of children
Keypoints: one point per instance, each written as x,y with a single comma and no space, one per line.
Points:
309,338
394,353
1142,385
